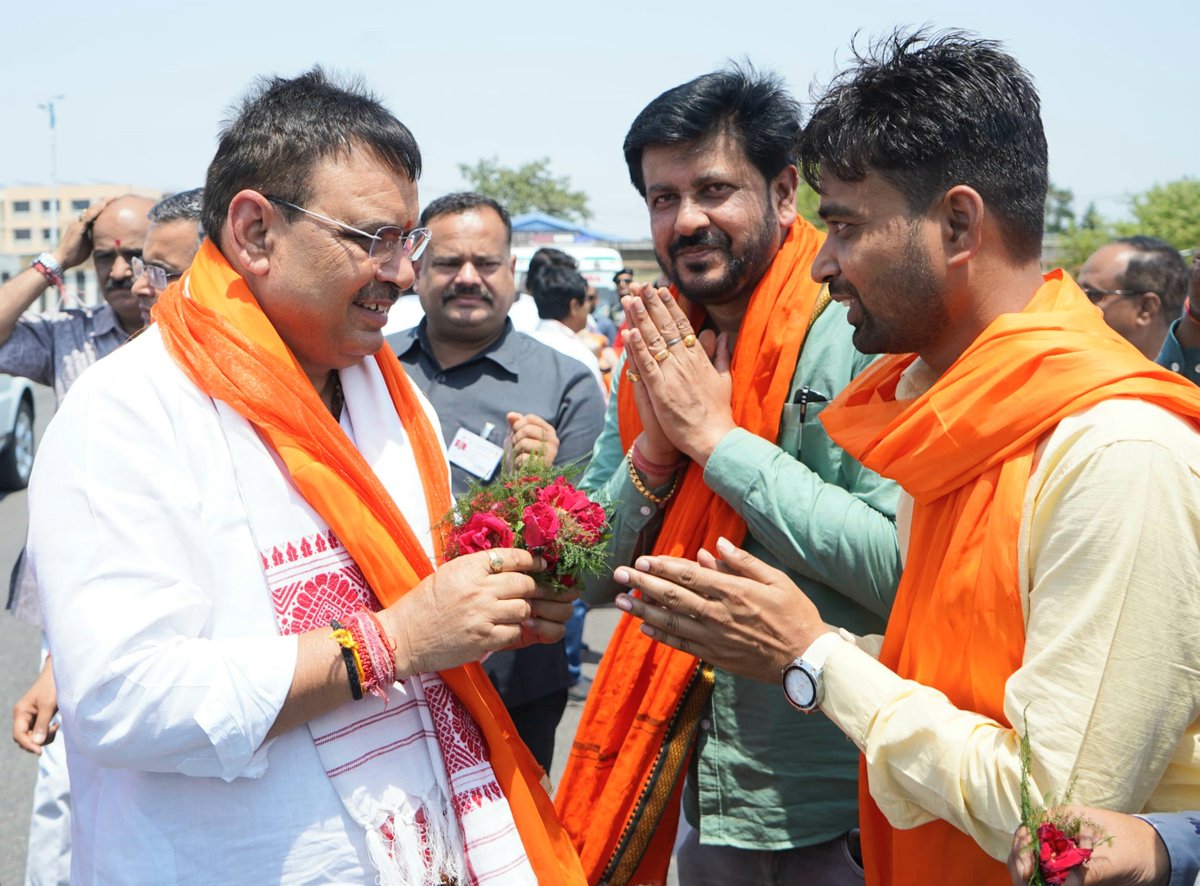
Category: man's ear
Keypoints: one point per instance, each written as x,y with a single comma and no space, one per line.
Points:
1149,306
783,194
961,216
249,232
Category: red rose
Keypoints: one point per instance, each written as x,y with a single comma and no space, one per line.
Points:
1059,853
541,525
482,532
591,519
563,495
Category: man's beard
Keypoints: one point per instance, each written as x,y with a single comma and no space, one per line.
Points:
741,272
911,303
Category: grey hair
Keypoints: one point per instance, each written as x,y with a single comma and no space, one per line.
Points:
183,206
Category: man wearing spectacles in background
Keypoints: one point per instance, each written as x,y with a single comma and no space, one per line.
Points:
171,243
1139,283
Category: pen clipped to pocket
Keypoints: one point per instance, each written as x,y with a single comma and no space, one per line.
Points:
805,405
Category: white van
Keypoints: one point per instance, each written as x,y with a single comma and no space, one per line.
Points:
597,264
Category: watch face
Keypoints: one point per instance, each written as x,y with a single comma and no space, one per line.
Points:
800,688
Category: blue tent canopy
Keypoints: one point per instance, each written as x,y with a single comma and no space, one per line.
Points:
541,223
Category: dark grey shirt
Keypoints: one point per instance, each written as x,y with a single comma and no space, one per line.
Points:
515,374
53,348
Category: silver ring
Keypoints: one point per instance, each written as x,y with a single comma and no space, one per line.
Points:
677,340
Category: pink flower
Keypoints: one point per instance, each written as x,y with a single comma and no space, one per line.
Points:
1059,854
482,532
541,525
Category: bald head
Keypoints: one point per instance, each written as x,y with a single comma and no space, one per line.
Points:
1139,284
118,235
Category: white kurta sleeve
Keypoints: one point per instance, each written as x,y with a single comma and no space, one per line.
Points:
165,648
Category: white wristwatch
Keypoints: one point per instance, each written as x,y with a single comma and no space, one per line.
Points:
802,683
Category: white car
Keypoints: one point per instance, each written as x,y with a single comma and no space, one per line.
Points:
16,432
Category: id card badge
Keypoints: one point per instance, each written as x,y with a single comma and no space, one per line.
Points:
475,455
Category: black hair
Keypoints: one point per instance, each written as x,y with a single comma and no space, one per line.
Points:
752,107
547,257
465,201
182,206
1156,266
931,111
283,128
622,272
554,287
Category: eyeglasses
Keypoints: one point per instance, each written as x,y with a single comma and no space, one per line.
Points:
385,242
1094,295
157,277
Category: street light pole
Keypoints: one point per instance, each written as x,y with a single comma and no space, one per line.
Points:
49,107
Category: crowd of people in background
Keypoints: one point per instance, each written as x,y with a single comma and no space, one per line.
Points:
903,523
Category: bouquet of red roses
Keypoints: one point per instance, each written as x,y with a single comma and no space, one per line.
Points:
534,507
1055,834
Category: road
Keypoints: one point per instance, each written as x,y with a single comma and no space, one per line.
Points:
18,666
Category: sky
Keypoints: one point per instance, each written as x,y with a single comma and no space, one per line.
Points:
145,85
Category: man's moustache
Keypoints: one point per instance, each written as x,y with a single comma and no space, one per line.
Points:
375,293
707,240
841,286
482,294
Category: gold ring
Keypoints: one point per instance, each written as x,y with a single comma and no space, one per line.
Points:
661,355
495,564
689,341
634,377
675,341
82,214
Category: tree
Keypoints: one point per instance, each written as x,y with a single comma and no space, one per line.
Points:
1074,247
1060,216
1170,212
528,188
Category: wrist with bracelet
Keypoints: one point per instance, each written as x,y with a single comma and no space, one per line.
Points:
640,466
369,655
50,268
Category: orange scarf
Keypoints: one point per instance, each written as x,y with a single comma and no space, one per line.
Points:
619,795
224,343
965,451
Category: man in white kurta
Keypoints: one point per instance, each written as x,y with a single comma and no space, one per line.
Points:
221,729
